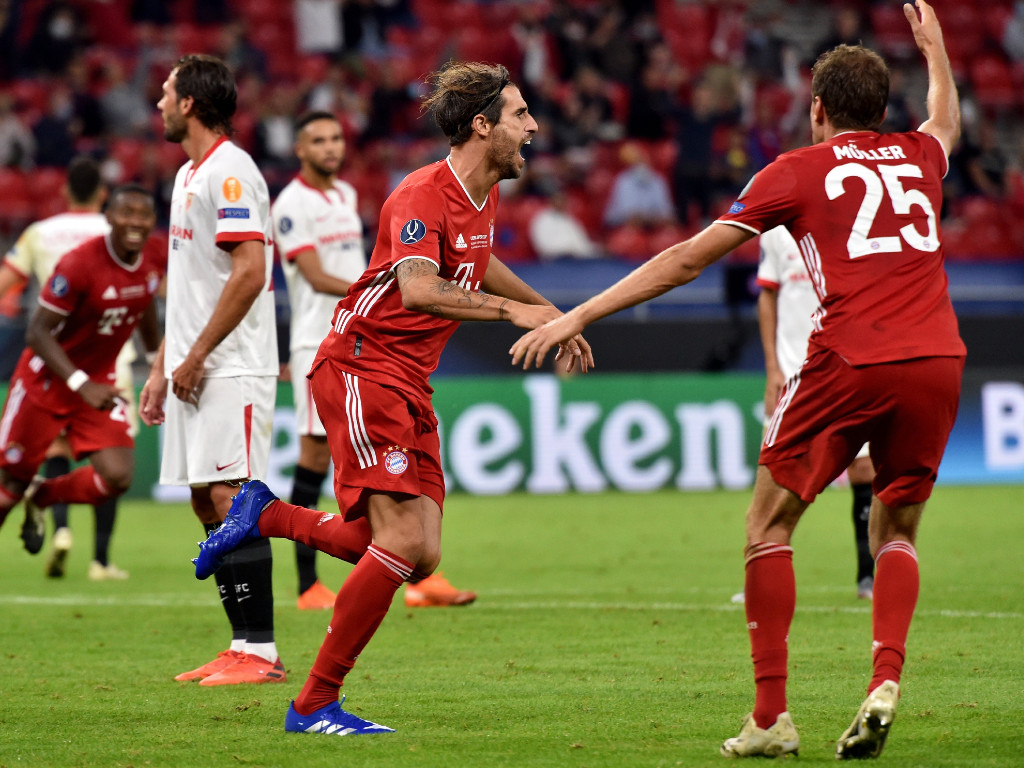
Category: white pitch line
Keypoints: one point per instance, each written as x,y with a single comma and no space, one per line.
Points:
157,601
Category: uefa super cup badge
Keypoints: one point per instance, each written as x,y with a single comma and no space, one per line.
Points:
395,460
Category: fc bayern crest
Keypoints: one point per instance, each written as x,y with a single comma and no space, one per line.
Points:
395,460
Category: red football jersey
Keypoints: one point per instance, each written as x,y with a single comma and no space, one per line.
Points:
864,208
430,215
102,299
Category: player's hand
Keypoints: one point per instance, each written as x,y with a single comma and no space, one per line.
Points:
927,32
531,348
772,391
187,379
579,353
151,399
102,397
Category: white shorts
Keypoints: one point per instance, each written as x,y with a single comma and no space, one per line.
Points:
306,417
864,451
225,438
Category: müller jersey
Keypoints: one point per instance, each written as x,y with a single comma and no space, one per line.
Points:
102,299
223,199
429,216
328,222
864,210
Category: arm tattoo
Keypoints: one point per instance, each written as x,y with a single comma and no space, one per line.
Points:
450,295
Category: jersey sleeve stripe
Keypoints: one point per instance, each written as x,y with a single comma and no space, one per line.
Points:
417,256
11,265
739,224
239,237
53,307
293,254
764,283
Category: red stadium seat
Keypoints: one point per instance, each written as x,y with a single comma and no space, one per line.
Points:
992,79
629,242
16,208
46,186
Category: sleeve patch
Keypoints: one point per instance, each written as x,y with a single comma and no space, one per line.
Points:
232,213
59,286
285,225
737,207
231,189
413,231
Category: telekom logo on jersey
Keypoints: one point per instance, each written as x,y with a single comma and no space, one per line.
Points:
464,277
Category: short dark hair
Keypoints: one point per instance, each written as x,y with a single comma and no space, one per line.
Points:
853,84
461,91
209,82
130,189
84,179
312,116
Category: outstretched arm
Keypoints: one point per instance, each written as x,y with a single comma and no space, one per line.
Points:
943,102
675,266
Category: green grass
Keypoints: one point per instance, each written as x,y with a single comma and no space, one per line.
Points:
603,636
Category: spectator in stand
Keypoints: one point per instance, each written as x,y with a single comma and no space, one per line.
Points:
275,133
56,131
982,163
238,53
640,195
17,144
900,114
58,36
695,130
596,109
89,122
123,102
654,95
848,28
556,234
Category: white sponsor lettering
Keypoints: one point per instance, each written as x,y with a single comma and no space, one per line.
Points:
1002,414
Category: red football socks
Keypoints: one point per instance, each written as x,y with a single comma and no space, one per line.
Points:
325,531
363,601
81,486
770,591
897,583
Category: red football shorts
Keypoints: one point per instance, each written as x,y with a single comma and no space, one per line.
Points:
381,439
829,409
34,417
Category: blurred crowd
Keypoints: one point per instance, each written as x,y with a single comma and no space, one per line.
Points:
653,114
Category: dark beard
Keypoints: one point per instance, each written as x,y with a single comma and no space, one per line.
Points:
175,133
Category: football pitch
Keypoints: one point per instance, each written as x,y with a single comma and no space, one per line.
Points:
603,636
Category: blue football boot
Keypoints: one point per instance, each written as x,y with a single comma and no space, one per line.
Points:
238,527
331,720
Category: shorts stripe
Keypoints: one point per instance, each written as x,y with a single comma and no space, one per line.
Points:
248,439
780,408
357,429
14,402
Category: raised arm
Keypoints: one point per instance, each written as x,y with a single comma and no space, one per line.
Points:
943,102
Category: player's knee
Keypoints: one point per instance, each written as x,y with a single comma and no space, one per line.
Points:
117,479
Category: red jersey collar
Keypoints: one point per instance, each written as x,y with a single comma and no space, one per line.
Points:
307,185
210,151
468,196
